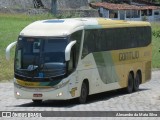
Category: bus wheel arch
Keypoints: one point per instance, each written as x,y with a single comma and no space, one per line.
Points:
137,80
84,92
130,82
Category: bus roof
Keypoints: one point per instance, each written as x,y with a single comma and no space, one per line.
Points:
64,27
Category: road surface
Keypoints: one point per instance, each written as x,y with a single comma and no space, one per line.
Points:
146,99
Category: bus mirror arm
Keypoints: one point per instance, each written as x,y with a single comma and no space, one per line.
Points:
68,50
8,50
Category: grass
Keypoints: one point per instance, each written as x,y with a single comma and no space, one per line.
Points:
156,45
11,25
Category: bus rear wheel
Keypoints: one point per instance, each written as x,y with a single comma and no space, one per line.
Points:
136,82
130,83
84,93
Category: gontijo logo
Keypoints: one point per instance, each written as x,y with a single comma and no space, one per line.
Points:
128,56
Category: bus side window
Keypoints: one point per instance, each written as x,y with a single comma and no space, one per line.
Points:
89,39
85,51
77,36
71,62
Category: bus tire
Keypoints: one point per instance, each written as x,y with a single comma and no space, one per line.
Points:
84,93
136,82
130,83
37,101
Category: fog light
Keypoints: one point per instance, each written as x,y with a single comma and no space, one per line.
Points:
17,93
59,94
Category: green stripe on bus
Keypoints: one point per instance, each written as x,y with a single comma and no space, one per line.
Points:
105,67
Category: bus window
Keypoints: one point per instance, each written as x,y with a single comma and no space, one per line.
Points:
72,63
36,47
77,36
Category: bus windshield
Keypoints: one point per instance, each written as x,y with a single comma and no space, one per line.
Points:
40,57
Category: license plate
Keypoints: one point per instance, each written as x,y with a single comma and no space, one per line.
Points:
37,95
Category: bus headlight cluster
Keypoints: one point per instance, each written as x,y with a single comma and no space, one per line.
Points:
59,94
18,94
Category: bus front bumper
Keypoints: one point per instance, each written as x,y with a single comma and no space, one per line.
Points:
21,92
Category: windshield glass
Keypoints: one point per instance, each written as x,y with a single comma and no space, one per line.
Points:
40,57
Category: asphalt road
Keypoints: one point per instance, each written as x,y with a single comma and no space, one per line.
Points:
146,99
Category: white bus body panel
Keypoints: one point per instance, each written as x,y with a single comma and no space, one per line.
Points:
87,69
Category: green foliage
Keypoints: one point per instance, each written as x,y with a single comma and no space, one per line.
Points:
156,45
156,30
156,33
144,18
158,1
155,52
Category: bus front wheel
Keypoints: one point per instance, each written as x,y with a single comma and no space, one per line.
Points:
130,83
83,94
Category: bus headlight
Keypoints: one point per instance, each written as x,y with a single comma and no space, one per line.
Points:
59,94
18,94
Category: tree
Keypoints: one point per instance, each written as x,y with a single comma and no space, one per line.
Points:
38,4
54,7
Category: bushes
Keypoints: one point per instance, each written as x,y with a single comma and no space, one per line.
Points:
156,29
155,44
156,33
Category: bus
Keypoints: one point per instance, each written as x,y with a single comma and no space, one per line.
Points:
61,59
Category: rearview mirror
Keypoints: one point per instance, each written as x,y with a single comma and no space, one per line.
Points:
68,50
8,49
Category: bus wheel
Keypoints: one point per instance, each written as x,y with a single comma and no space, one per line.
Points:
84,93
37,101
130,83
136,82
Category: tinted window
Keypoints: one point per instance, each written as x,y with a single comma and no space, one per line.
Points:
77,36
115,38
